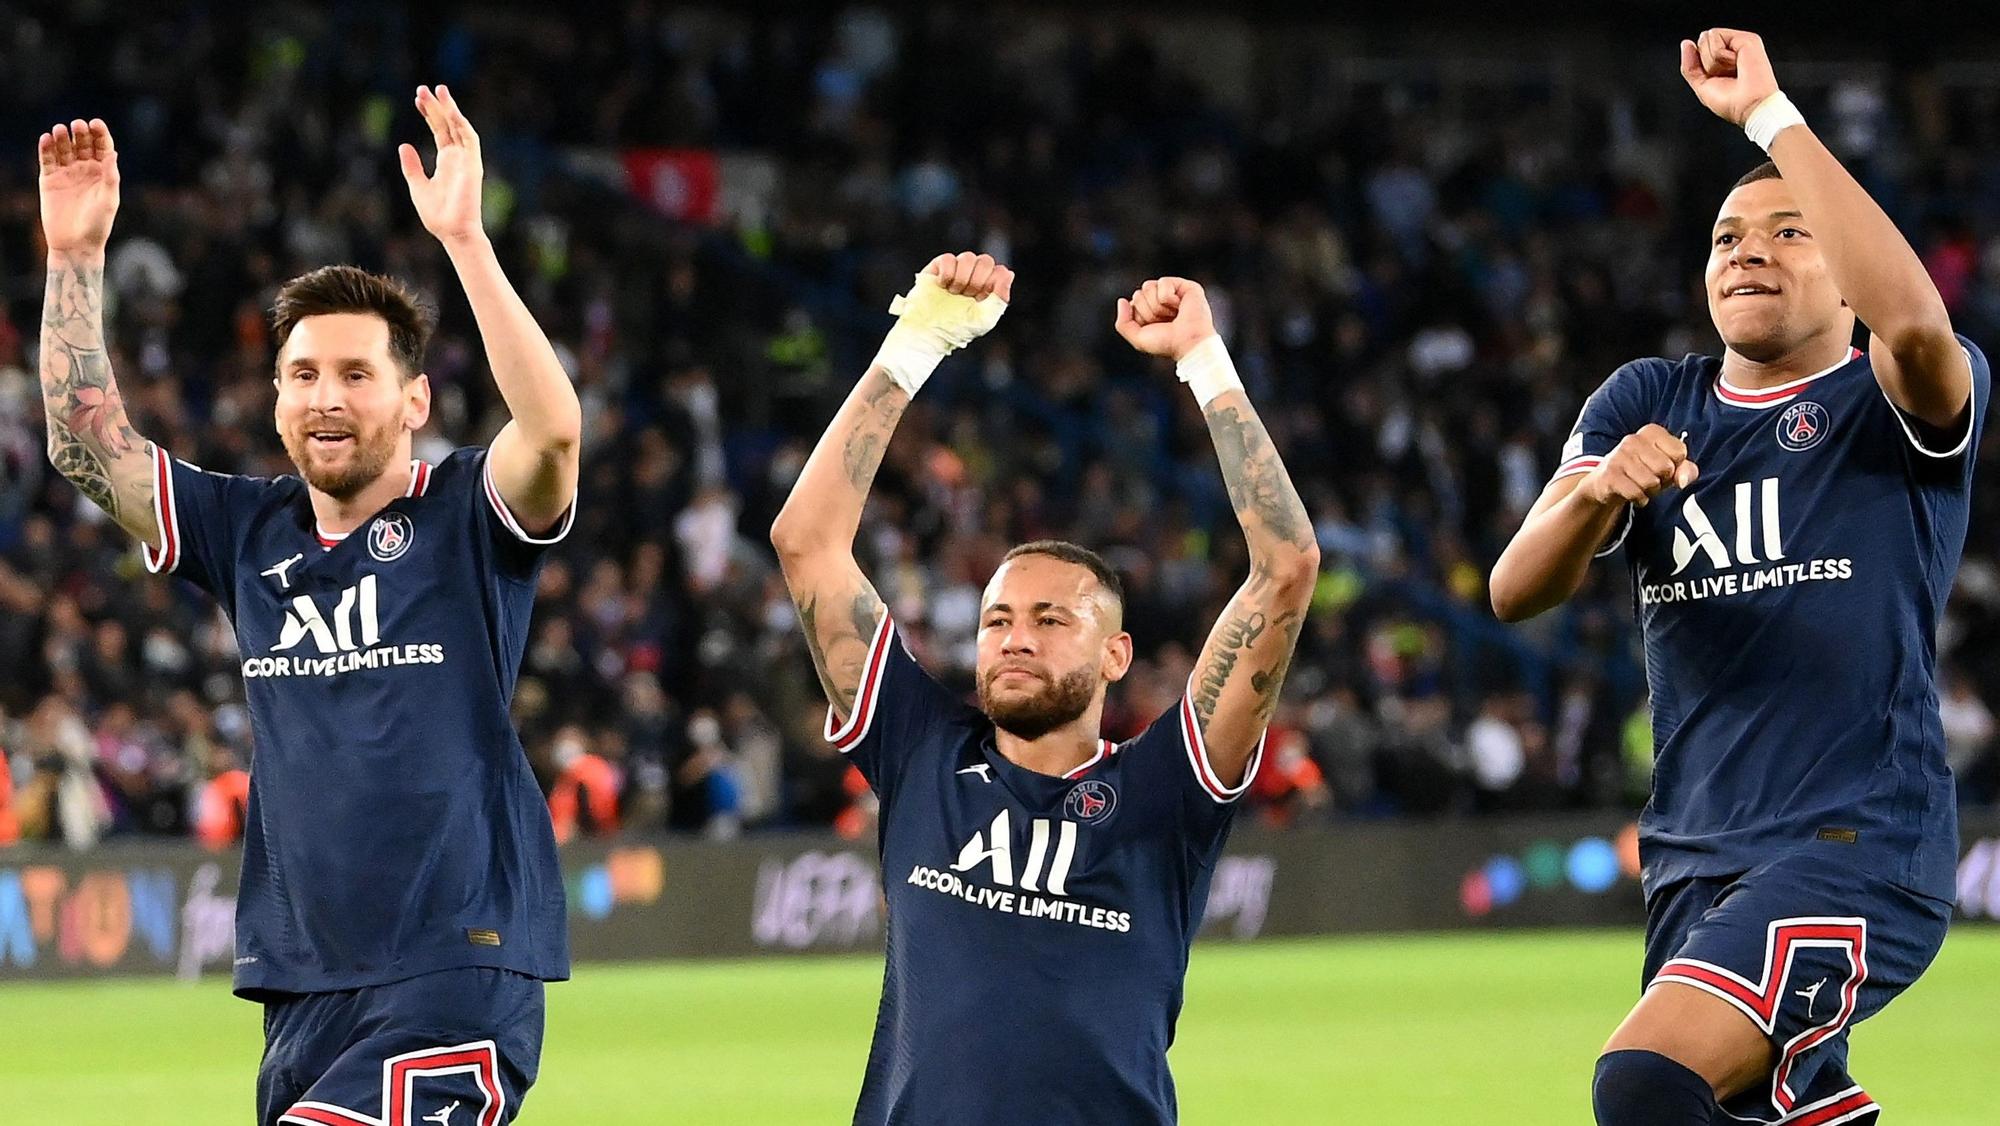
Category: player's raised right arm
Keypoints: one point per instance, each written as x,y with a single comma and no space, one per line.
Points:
956,299
1546,560
91,440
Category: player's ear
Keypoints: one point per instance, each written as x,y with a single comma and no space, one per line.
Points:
1116,660
416,402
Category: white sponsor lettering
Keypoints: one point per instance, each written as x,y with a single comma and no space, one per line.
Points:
303,620
1708,543
1759,542
1023,904
996,846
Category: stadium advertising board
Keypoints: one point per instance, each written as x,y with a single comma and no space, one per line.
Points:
168,909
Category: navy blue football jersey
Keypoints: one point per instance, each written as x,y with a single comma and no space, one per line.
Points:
394,825
1038,926
1789,602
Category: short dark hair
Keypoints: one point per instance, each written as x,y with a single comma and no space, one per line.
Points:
351,289
1765,171
1074,553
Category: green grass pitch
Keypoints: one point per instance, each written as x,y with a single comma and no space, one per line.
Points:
1381,1031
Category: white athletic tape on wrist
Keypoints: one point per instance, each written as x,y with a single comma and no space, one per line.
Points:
1208,371
931,324
1772,116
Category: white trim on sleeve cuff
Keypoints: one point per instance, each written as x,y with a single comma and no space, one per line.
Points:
507,518
166,516
1198,760
846,735
1971,418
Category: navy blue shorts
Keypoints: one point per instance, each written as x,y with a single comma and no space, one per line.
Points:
452,1048
1805,949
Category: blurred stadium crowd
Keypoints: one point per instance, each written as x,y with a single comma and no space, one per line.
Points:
1422,267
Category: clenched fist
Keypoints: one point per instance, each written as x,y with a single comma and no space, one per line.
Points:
1642,466
972,275
1729,71
1165,317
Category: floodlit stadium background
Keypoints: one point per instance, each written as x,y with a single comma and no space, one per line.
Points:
1427,244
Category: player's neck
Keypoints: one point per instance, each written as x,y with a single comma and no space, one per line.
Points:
1056,753
338,517
1809,358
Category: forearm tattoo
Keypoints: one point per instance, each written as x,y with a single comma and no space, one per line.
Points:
89,430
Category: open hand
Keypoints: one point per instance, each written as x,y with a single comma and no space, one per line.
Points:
448,199
79,185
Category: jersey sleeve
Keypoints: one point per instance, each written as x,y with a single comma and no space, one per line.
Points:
899,711
1171,755
1946,445
1619,407
519,552
200,515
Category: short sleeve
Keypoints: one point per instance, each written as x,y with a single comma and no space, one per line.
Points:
1942,445
520,551
899,711
1619,407
1171,754
200,515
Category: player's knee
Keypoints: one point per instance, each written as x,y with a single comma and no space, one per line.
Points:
1639,1088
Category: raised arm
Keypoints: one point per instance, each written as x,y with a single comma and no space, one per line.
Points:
1917,360
534,458
1545,561
1242,665
956,299
91,440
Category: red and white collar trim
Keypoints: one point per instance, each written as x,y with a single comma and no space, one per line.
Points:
1105,750
420,482
1764,398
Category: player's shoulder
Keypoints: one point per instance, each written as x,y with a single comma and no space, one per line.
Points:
462,463
237,486
1660,375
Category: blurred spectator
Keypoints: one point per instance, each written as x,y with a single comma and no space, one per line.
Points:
223,804
584,797
1968,736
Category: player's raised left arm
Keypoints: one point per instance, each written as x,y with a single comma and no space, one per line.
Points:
1918,361
1242,665
534,458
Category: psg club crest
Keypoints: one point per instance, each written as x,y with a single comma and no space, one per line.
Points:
1090,801
389,536
1802,425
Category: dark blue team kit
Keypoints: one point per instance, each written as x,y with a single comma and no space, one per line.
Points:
1038,925
1800,848
401,903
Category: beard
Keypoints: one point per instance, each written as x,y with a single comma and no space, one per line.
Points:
1058,703
372,452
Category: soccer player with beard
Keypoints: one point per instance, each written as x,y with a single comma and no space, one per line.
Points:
1800,847
1044,883
400,904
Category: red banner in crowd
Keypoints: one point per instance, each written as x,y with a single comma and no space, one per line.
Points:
682,184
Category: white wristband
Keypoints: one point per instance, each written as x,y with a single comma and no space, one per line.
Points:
932,323
1772,116
1208,371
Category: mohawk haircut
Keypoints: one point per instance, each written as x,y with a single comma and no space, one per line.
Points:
1765,171
350,289
1081,556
